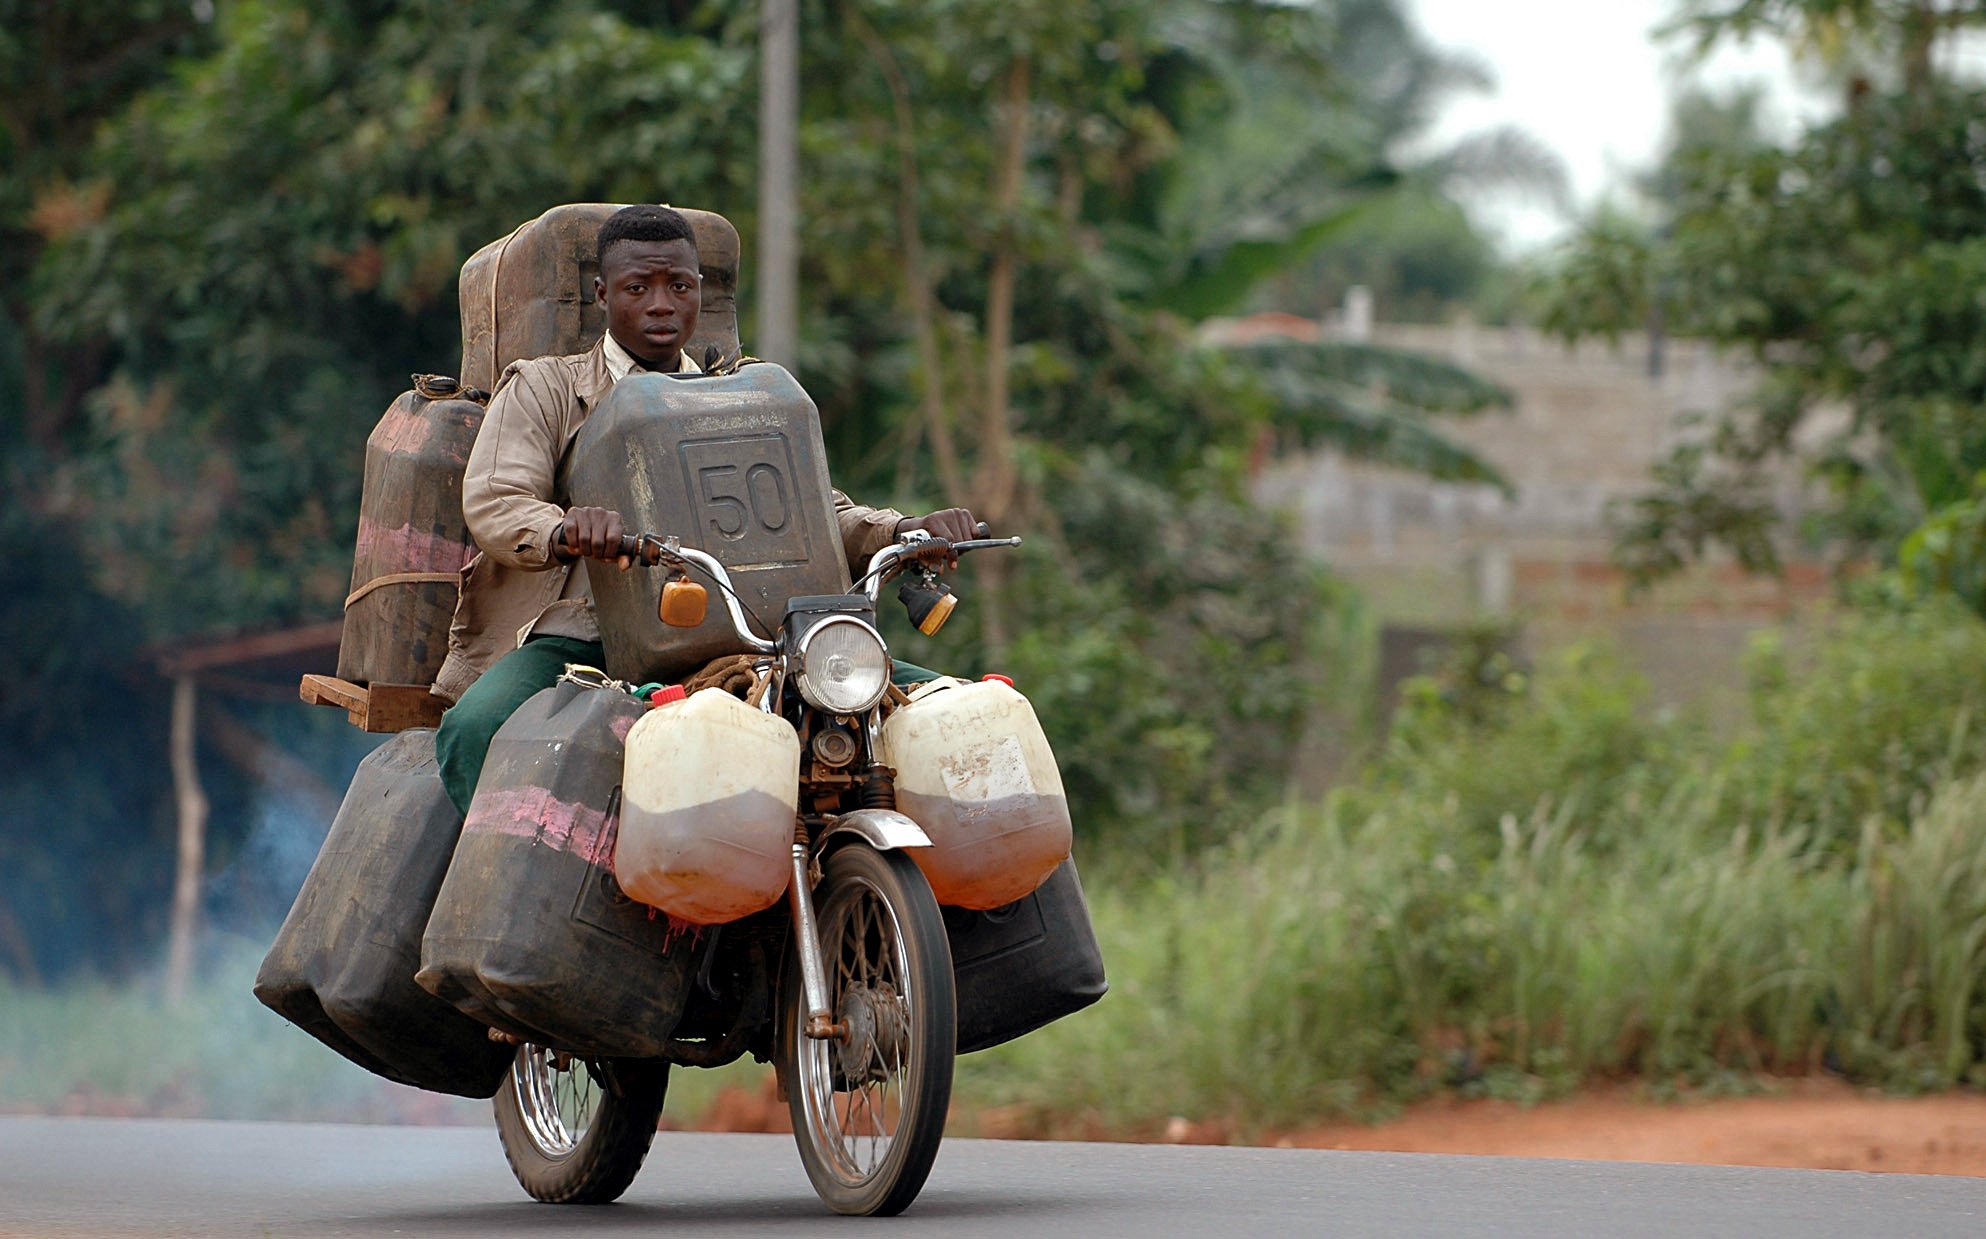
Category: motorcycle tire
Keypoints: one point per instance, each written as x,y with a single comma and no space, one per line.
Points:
868,1112
576,1131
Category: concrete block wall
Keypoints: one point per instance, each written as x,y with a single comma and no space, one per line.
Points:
1587,425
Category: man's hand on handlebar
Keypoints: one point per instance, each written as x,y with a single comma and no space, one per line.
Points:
590,533
946,526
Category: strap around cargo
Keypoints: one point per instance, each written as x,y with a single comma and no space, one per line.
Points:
446,387
400,578
496,276
592,677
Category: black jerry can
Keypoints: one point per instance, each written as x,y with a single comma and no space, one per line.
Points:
413,541
1025,964
530,932
342,966
733,465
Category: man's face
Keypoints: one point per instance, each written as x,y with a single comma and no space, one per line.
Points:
652,291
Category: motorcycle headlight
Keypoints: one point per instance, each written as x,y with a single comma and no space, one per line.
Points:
842,665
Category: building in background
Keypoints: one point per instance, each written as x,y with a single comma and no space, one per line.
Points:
1586,426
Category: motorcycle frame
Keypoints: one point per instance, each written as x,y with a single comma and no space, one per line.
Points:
882,829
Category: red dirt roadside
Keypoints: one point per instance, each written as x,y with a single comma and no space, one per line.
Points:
1818,1124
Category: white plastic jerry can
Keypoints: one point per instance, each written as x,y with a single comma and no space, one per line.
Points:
974,769
709,793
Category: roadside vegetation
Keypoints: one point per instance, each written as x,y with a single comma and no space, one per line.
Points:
1019,216
1543,883
1539,882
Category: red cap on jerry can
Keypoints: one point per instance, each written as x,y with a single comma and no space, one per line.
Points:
668,694
994,675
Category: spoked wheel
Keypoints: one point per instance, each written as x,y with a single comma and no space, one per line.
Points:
575,1130
868,1110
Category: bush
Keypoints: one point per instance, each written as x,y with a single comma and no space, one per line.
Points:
1870,724
1564,888
1576,736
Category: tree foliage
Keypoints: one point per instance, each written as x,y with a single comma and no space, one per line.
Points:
245,234
1846,266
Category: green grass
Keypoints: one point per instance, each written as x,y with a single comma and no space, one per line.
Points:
94,1047
1539,884
90,1046
1559,888
1329,969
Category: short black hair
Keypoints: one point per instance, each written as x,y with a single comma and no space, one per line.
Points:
643,222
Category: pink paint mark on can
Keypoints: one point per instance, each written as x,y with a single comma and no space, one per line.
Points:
594,838
406,549
411,427
534,813
404,431
622,725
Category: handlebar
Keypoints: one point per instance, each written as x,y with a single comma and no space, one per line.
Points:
645,548
909,545
650,549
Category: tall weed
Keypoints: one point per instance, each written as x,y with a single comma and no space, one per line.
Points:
94,1047
1869,723
1567,887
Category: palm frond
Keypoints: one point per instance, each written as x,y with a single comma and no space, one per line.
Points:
1364,420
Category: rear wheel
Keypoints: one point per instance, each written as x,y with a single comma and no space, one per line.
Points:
869,1109
576,1130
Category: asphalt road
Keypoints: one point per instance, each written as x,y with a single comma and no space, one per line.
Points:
109,1177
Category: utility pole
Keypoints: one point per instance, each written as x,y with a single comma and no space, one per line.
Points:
192,803
779,119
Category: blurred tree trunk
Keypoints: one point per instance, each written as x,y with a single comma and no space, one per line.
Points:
937,423
14,946
779,114
996,488
192,802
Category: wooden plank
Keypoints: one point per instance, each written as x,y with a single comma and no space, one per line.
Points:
329,690
396,707
375,707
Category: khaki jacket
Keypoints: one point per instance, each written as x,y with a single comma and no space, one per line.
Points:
513,498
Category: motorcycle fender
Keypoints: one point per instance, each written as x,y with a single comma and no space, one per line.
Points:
882,829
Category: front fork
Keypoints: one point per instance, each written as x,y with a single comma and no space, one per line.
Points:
821,1024
884,829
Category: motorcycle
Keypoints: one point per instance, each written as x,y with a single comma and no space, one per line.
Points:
848,987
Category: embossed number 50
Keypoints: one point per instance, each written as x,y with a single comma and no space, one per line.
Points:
760,500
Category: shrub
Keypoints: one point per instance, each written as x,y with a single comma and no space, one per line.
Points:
1870,723
1562,888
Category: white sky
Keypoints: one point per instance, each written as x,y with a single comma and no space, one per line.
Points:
1586,78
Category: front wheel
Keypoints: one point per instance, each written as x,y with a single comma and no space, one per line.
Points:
576,1130
869,1109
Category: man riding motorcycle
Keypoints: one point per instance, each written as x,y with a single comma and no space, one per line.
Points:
524,611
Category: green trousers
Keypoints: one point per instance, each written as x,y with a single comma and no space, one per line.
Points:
463,741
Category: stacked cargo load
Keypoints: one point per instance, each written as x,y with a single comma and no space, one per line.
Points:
418,935
342,966
530,933
734,465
